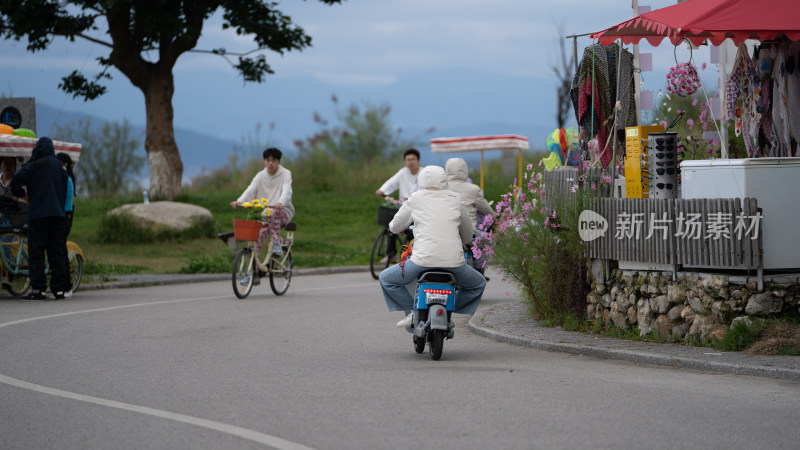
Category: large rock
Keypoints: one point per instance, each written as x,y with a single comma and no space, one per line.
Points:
159,216
763,304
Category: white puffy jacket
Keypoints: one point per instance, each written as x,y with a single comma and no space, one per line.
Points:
441,223
471,194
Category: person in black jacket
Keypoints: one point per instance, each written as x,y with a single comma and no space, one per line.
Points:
46,183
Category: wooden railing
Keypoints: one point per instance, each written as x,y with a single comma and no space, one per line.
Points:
696,232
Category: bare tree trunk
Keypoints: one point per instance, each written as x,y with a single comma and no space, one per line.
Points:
163,157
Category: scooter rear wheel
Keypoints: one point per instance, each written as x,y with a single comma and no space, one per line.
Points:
436,344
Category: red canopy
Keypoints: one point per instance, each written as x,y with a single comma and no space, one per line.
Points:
715,20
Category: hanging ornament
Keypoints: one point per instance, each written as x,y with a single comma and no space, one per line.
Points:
682,79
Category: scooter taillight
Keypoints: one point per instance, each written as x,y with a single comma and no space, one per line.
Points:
439,312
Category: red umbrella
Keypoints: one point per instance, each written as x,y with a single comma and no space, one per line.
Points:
716,20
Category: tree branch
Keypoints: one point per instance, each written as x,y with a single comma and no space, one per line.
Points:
95,40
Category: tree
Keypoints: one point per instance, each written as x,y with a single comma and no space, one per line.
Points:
361,135
564,70
108,165
137,29
352,152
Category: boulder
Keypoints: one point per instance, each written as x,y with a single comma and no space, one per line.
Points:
164,215
763,304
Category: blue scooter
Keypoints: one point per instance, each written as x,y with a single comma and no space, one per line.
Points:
434,303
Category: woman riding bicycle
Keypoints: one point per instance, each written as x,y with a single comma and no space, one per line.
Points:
275,184
441,226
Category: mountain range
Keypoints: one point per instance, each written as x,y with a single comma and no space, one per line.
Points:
469,104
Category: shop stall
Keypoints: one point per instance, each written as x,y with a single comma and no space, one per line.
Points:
509,142
761,97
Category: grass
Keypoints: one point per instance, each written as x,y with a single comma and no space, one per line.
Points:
335,227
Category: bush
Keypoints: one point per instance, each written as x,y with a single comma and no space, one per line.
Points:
122,229
534,240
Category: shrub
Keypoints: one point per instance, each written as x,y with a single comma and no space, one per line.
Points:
533,238
122,229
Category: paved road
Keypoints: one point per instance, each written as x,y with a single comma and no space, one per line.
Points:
189,366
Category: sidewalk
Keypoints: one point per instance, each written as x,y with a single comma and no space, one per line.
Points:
509,323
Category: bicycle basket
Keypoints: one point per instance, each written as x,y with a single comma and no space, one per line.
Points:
385,215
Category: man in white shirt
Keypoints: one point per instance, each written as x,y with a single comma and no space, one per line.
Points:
405,180
275,184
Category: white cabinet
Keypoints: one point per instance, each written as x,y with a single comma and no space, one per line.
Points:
775,182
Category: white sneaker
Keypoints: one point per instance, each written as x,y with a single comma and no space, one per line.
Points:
406,322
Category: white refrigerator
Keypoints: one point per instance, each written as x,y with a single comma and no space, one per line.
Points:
775,182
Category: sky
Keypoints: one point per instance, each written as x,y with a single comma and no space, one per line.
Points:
456,65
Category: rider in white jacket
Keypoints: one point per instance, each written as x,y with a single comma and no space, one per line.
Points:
441,225
471,194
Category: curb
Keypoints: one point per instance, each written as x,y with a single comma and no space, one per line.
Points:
129,281
644,356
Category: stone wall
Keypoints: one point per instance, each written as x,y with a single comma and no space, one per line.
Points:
699,304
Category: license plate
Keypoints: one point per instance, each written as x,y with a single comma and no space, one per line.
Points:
436,298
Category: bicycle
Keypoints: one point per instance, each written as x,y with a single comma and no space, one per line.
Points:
15,268
249,266
378,259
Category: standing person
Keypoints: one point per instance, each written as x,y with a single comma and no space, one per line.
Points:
46,183
275,184
471,194
69,206
441,225
405,182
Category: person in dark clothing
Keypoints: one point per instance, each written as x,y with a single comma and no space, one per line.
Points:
69,207
46,183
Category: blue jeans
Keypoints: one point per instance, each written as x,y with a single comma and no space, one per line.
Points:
394,280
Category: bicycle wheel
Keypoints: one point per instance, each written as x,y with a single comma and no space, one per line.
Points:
243,273
19,282
75,271
378,253
18,285
280,275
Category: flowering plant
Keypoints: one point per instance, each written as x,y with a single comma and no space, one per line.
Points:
682,79
391,202
257,209
532,237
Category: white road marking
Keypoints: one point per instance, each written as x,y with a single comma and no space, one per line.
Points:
244,433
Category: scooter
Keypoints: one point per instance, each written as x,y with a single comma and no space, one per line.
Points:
434,303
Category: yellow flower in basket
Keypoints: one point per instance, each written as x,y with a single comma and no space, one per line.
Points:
254,209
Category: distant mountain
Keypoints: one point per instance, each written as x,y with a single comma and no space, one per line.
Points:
199,151
203,152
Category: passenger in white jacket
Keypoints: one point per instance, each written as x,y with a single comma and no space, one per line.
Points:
471,194
441,226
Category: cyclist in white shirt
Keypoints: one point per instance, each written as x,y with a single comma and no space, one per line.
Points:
405,180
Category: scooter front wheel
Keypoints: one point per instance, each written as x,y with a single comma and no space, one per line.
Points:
436,344
419,344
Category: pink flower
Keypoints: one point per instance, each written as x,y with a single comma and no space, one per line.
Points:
694,102
690,122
